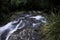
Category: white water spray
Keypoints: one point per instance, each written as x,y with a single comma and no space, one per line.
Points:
14,25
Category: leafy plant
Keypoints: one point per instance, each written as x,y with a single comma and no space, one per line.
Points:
51,31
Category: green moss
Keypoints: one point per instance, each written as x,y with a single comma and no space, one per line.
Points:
51,31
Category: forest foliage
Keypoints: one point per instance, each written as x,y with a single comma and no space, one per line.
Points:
8,6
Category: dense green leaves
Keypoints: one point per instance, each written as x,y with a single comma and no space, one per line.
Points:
8,6
51,31
18,2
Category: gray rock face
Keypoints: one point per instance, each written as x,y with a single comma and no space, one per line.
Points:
25,34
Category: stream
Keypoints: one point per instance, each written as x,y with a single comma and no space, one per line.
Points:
24,21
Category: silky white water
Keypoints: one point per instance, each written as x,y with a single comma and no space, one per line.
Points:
21,22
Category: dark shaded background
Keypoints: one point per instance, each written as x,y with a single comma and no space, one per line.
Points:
8,7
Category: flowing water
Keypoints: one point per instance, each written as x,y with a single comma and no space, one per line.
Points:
24,21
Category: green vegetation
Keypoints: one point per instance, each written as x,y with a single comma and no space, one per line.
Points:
51,31
8,6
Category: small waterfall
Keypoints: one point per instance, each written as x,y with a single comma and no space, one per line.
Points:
24,21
